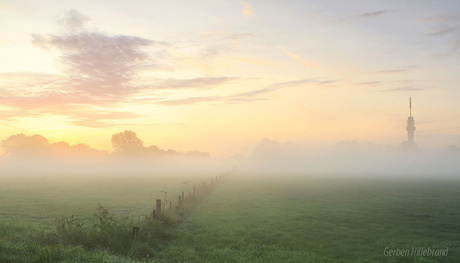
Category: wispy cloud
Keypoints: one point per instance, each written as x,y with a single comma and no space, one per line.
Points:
441,18
406,84
190,100
292,83
201,83
99,69
280,85
13,127
247,9
445,28
247,96
31,91
391,71
191,61
251,60
404,88
300,82
97,63
369,83
100,118
296,57
315,66
362,17
73,20
223,42
373,14
254,93
441,31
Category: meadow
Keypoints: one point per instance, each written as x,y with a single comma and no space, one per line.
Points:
248,218
331,219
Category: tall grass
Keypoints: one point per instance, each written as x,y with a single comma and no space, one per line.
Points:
32,252
103,231
105,234
96,238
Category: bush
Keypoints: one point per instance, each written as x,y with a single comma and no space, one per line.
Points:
115,235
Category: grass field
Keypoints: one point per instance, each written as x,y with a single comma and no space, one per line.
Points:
31,206
293,219
248,219
39,200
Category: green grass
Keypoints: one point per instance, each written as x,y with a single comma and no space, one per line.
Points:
59,219
293,219
38,200
35,253
247,219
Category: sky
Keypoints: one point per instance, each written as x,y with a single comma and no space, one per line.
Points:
218,76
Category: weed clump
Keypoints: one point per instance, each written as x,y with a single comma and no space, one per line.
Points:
125,236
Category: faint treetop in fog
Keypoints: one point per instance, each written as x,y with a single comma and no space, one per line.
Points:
453,149
267,149
270,150
20,144
127,142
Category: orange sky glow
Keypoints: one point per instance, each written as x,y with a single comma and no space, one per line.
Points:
218,76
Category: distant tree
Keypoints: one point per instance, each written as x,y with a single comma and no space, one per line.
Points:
267,149
171,152
20,144
127,142
153,151
60,148
64,150
197,154
453,149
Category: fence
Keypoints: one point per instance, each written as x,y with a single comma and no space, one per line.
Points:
162,208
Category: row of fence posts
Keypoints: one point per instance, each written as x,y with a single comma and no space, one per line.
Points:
197,192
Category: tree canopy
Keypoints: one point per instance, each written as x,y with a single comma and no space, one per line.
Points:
127,142
20,144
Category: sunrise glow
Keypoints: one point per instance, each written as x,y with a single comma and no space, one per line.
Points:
218,76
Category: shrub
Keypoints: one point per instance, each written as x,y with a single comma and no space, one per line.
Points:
102,231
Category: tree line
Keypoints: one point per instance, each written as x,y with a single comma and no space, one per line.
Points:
125,144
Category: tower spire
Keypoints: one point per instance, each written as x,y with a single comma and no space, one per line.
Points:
410,106
410,127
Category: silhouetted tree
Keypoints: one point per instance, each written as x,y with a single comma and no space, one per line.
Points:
197,154
267,149
127,143
64,150
453,149
60,148
20,144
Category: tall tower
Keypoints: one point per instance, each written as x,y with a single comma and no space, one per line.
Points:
410,127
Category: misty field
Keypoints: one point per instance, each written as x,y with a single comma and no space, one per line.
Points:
292,219
249,218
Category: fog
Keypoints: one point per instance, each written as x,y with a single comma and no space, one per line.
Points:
34,155
353,158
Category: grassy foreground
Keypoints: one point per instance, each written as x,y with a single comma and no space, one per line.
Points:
246,219
295,219
88,219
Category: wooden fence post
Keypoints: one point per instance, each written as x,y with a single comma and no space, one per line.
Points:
158,207
180,201
183,197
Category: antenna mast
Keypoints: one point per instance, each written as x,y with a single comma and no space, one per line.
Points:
410,106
